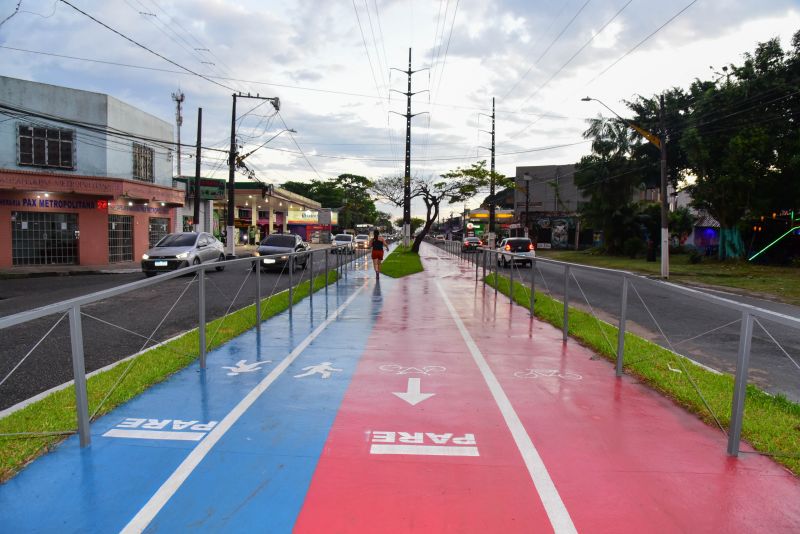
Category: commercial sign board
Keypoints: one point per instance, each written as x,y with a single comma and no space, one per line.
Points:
303,217
210,189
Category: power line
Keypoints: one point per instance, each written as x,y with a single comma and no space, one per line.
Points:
546,50
640,43
298,146
190,71
16,10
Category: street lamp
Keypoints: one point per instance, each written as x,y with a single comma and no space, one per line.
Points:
661,143
527,177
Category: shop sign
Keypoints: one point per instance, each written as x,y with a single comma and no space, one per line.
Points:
210,189
140,208
50,203
303,217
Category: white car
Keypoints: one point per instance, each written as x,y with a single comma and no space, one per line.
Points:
362,241
522,249
343,244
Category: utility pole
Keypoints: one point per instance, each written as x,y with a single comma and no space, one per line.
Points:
232,158
196,216
179,97
664,210
407,178
492,206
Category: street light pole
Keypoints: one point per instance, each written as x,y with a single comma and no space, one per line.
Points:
661,142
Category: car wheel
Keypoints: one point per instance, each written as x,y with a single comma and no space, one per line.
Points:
196,261
149,274
221,259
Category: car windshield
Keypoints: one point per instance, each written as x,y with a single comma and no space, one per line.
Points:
343,238
362,237
278,241
177,240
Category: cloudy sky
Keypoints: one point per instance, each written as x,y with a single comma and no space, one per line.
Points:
329,63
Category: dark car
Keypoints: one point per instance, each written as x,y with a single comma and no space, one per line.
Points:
471,244
278,249
522,249
182,249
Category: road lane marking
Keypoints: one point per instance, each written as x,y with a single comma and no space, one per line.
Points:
424,450
160,498
553,505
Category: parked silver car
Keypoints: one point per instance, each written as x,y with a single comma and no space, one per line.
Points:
175,251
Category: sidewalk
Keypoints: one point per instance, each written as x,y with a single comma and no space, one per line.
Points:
425,404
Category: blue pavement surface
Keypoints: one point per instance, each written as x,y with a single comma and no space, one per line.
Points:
149,446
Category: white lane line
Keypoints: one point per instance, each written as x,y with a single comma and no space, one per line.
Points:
160,498
424,450
553,505
154,434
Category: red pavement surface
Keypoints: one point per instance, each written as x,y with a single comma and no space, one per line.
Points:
593,453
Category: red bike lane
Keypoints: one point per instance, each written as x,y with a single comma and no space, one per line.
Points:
445,462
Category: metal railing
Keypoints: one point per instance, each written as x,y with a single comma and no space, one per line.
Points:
72,308
748,313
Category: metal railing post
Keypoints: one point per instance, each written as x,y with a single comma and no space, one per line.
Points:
533,285
565,329
496,273
311,278
291,283
326,271
623,309
476,263
257,265
485,256
201,315
740,385
511,281
79,373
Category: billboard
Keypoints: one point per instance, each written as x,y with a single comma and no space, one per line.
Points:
210,189
303,217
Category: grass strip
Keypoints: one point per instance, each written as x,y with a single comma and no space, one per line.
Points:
56,413
771,424
401,262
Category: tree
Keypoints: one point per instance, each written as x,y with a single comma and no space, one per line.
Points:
347,192
455,186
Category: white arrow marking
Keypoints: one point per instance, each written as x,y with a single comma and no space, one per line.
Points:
413,395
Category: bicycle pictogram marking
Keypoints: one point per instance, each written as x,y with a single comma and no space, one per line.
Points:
548,373
400,370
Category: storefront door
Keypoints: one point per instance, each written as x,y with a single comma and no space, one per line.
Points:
44,238
120,238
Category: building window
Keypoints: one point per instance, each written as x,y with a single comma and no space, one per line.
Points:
263,214
45,147
142,163
245,213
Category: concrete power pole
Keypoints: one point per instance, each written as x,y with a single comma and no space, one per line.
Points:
407,178
492,206
179,97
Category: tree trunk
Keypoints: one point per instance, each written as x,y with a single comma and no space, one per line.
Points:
432,211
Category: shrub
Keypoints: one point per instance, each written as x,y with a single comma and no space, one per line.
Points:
632,246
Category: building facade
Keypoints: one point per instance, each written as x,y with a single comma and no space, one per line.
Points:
85,179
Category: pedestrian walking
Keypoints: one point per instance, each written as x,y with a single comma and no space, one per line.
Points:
378,246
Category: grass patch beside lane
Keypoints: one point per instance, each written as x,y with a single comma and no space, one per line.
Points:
771,424
779,283
56,413
401,262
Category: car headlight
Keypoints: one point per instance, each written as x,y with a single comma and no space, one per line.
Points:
145,257
182,255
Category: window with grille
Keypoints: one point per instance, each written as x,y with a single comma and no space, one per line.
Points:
142,163
45,147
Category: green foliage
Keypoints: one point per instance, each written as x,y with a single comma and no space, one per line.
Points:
633,246
347,192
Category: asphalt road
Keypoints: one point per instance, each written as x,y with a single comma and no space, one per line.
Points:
685,321
135,316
